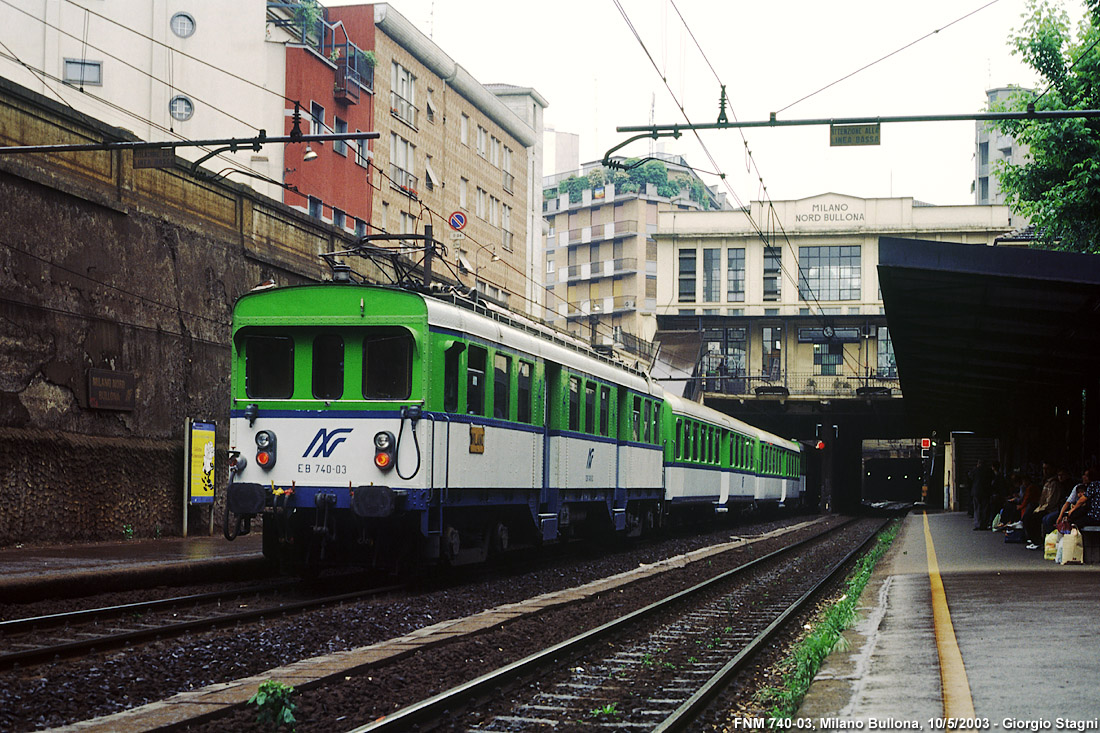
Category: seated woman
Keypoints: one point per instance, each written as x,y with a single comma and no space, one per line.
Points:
1084,509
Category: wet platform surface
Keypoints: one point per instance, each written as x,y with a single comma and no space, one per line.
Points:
1027,631
47,568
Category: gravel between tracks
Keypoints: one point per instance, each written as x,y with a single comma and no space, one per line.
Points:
64,692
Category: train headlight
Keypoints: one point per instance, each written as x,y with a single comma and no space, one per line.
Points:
265,449
384,446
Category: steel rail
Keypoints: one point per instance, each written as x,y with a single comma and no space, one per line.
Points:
67,648
434,707
688,712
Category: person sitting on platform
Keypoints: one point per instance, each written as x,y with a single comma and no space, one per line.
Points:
1085,509
1051,498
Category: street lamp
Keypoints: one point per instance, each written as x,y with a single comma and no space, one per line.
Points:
477,267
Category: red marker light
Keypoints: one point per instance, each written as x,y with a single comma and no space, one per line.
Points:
820,445
382,459
263,458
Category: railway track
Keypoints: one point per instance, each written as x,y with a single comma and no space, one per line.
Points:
43,638
656,668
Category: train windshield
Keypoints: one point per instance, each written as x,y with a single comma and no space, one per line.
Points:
269,367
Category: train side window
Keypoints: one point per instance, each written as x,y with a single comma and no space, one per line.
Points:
605,410
452,359
475,381
590,407
647,421
328,367
502,386
656,422
574,403
695,441
523,392
678,438
269,367
635,419
387,363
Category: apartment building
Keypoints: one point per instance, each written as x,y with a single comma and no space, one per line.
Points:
162,69
991,147
448,144
781,301
601,269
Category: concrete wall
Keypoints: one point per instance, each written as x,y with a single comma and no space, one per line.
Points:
103,266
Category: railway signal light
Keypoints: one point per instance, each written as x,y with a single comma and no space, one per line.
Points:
265,449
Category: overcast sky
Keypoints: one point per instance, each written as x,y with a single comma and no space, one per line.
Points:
584,59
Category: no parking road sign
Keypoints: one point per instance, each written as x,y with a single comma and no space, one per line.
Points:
457,221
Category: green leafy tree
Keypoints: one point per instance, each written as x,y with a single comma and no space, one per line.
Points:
1058,189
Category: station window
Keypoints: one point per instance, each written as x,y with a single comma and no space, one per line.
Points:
269,367
523,393
387,363
328,367
502,387
475,381
574,403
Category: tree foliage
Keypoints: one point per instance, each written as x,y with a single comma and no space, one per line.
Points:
1058,188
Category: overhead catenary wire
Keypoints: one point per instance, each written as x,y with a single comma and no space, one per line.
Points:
773,216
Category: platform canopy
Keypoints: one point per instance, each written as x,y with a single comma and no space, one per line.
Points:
984,335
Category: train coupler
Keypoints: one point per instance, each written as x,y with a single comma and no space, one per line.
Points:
324,503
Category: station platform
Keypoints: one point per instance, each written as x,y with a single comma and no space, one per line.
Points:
1011,640
30,572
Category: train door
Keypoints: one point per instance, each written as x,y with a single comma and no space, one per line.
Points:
552,421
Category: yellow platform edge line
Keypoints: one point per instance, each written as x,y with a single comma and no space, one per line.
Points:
957,702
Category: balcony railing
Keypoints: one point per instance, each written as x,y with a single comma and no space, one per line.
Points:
713,381
403,109
402,180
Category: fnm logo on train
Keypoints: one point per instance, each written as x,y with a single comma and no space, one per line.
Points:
324,442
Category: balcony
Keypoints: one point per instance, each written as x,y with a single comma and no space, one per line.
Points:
403,109
346,88
403,181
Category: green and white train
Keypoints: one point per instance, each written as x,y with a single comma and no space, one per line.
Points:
378,425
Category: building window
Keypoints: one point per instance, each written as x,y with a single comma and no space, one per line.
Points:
494,151
402,163
362,152
464,130
183,25
687,275
403,94
340,147
772,351
494,211
463,184
829,273
506,226
80,72
735,275
828,358
181,108
316,120
482,137
429,107
339,218
315,207
360,228
773,266
887,367
712,275
481,207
